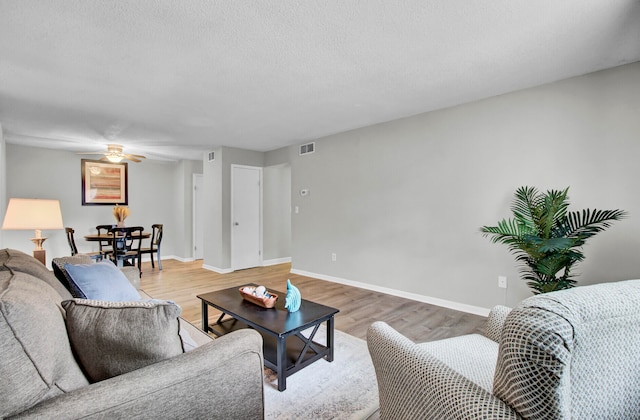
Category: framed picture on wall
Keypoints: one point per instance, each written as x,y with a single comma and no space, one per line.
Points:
104,183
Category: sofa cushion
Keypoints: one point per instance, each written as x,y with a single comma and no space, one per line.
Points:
18,261
36,361
112,338
192,336
473,356
100,281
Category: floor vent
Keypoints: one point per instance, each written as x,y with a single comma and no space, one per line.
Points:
305,149
212,156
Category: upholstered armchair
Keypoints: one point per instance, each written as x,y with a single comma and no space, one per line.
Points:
571,354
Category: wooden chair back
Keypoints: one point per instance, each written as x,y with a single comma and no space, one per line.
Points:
105,246
156,236
154,246
126,238
72,243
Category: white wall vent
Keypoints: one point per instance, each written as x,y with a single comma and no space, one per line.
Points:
305,149
212,156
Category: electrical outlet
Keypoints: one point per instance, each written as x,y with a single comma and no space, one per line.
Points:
502,282
334,257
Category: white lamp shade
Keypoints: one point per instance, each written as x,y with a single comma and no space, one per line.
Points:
27,213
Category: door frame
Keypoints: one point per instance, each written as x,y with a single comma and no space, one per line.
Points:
260,221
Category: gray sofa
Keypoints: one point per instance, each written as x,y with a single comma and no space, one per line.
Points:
42,378
571,354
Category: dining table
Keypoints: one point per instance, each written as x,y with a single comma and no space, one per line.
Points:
95,237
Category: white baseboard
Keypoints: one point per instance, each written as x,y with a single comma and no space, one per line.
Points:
265,263
276,261
217,270
147,258
477,310
181,259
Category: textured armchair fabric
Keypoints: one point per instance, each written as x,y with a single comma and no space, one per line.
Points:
495,322
571,354
414,384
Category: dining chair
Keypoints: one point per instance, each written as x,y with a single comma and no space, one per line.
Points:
74,249
125,242
154,246
105,245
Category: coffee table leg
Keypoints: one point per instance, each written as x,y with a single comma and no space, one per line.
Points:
205,317
281,363
330,339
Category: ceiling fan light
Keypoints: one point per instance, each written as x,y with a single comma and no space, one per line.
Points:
114,157
114,154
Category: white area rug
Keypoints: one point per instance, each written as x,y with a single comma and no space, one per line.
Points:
343,389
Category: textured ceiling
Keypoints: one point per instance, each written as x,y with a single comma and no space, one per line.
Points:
171,78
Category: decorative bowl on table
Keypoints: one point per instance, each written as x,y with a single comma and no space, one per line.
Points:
267,300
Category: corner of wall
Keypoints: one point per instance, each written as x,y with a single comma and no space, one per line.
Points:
3,180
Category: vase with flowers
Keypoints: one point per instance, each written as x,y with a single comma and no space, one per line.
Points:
120,213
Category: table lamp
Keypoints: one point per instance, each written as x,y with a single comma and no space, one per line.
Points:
27,213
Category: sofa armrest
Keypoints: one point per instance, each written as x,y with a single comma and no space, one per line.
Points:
197,336
495,322
222,379
132,274
413,384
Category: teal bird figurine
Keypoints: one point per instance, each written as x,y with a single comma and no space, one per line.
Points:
292,301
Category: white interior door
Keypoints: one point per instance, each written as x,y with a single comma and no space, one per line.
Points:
246,217
198,214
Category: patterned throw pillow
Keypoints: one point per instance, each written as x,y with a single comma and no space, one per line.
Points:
112,338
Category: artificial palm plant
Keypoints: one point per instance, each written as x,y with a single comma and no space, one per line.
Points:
546,238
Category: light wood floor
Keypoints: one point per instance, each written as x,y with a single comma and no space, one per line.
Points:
420,322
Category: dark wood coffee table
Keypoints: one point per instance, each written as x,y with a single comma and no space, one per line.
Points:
285,349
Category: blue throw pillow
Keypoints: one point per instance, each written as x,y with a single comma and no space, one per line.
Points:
100,281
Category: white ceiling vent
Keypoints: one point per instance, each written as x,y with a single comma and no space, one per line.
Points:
212,156
305,149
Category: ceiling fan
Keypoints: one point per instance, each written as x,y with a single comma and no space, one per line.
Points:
114,154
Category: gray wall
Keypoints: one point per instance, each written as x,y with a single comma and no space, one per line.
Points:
212,207
276,205
156,195
276,212
401,203
3,183
184,206
217,185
